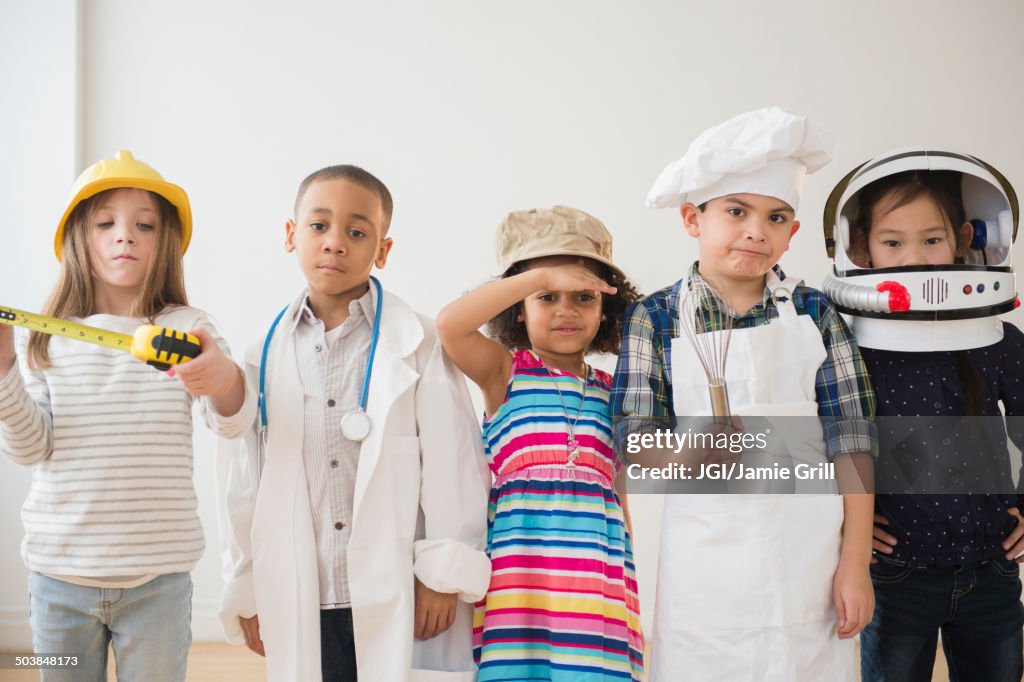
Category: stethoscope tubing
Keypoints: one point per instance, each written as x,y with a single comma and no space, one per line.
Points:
364,393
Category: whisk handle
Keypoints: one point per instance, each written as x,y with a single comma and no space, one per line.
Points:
720,403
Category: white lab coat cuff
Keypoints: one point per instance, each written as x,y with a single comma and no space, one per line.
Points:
450,566
239,600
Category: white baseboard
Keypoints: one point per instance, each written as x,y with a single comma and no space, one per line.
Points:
16,635
206,625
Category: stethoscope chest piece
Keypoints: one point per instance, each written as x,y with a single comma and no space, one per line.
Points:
355,425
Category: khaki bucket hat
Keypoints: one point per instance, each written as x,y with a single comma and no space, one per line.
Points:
555,231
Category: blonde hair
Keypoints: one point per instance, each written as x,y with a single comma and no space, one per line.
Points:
74,296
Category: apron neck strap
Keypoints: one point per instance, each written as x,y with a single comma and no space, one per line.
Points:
781,291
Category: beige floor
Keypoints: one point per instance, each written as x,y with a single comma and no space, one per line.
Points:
221,662
206,663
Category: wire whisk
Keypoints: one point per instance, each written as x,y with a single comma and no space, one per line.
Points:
707,318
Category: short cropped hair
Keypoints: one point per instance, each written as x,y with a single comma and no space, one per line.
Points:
355,174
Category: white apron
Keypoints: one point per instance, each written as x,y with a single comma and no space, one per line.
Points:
745,581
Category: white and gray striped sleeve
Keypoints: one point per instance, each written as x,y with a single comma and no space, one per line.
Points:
26,424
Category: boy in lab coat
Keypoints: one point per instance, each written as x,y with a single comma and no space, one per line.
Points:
353,532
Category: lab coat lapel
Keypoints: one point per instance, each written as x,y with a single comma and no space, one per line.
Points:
284,400
393,373
284,520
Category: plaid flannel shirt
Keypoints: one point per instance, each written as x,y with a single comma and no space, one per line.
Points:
641,397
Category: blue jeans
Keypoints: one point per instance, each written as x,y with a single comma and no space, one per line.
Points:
149,626
976,607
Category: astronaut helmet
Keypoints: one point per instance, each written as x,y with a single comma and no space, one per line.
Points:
913,303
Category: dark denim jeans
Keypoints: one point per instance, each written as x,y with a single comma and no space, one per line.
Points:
337,646
977,608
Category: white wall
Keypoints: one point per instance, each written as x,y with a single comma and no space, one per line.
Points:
39,134
467,110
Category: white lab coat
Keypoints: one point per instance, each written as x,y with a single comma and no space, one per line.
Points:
420,508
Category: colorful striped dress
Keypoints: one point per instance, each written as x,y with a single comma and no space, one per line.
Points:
562,604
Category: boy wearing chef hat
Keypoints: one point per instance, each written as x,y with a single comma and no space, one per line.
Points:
776,584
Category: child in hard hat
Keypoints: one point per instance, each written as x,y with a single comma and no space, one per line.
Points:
111,529
770,586
355,542
562,603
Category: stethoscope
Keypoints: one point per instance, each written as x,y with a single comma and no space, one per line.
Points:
355,425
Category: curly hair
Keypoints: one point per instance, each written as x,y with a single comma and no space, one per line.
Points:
509,331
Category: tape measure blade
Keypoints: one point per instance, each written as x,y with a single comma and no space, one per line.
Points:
71,330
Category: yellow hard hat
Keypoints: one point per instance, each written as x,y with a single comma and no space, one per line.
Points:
125,171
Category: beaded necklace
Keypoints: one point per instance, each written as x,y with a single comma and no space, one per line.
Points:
572,445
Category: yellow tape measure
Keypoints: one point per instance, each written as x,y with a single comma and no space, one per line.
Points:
157,346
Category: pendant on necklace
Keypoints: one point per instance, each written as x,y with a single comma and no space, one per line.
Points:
574,450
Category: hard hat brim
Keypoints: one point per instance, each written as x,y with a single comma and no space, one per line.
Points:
173,193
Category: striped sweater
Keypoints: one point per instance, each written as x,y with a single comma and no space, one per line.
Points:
110,440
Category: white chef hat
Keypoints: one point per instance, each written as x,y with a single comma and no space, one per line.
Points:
766,151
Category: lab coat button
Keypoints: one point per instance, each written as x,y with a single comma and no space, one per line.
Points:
330,403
